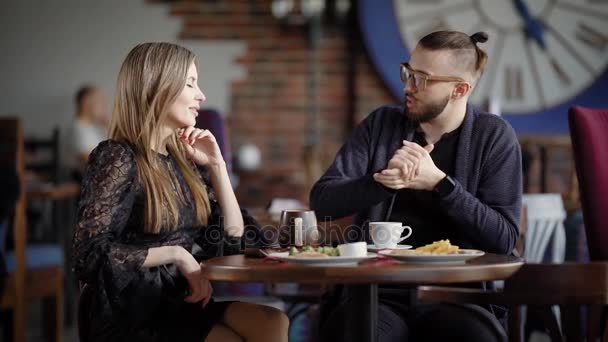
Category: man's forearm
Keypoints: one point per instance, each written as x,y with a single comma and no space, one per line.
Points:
339,198
496,229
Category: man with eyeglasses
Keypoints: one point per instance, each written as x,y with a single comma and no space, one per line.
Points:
438,165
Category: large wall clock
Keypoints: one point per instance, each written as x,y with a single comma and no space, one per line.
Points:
544,55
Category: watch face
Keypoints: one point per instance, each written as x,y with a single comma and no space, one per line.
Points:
543,55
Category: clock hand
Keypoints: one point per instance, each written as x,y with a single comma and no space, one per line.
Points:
533,27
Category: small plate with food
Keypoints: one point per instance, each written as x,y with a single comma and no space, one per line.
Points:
321,256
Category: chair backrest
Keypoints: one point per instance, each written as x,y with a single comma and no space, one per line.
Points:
12,152
44,158
567,283
570,285
540,286
545,220
9,183
588,131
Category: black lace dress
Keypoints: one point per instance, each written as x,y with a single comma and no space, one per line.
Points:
127,302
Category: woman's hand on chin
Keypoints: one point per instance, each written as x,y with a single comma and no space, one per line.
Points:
201,146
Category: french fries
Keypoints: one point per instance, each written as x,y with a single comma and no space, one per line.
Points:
438,247
441,247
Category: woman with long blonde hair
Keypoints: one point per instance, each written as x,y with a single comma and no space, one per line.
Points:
146,217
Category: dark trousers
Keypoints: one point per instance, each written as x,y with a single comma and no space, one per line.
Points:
402,321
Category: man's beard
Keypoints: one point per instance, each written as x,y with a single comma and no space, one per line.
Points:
427,112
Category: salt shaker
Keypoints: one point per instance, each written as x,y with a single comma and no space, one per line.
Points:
298,232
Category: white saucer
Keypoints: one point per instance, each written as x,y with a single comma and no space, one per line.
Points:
373,248
324,261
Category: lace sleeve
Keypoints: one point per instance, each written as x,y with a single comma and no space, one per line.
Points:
107,197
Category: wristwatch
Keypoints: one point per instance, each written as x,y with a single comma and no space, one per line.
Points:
445,186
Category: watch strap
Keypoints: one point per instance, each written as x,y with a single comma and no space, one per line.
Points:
445,186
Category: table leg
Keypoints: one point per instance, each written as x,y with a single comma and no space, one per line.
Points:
363,312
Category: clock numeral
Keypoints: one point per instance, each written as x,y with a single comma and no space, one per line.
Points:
591,37
513,83
437,24
559,70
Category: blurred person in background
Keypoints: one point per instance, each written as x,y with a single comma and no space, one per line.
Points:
89,128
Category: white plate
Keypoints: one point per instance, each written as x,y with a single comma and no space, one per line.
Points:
332,260
373,248
461,257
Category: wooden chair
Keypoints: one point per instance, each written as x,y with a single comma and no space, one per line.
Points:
43,156
569,285
45,212
35,272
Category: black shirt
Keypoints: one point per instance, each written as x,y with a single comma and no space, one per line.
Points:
419,209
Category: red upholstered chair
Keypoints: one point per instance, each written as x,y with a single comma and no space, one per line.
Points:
212,120
589,134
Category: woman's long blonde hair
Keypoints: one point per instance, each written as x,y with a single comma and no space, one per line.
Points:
151,78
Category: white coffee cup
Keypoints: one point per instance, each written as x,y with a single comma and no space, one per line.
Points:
355,249
388,234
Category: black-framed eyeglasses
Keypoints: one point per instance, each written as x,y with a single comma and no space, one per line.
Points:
420,79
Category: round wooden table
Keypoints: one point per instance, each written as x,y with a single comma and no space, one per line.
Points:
362,278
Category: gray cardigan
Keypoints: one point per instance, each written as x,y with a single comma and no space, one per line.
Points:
485,206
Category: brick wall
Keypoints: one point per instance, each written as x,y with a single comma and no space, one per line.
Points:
271,106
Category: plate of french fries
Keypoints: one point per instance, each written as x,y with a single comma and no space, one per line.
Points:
438,251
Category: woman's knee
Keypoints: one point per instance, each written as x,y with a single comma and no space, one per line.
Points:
221,333
276,316
247,316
